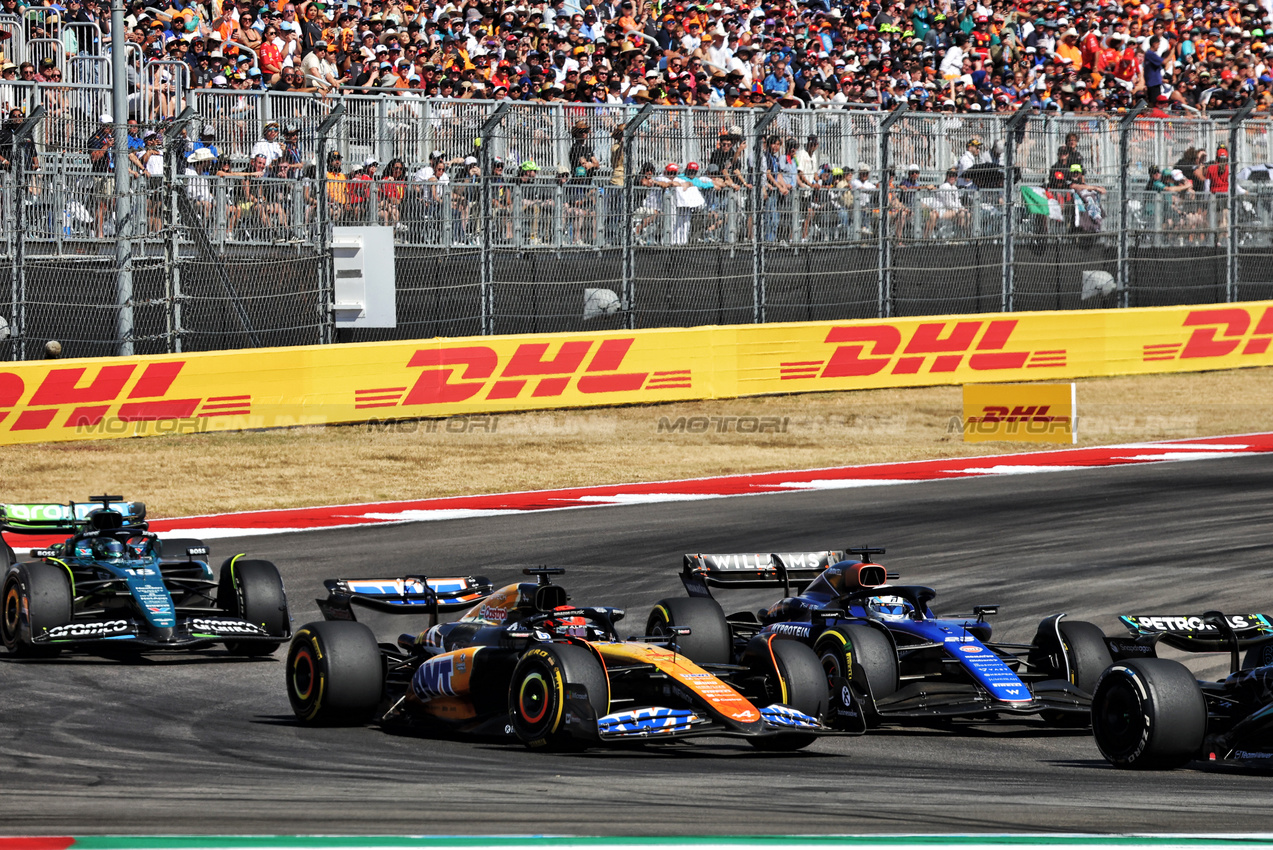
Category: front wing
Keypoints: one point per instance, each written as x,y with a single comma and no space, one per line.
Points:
190,632
921,700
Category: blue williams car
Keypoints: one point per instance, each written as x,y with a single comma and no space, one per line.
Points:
114,585
905,664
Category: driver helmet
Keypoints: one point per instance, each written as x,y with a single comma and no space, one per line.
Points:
108,549
890,607
566,626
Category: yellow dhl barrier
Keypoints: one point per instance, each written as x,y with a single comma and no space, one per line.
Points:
232,390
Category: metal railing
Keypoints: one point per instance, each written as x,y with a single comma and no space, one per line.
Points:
525,241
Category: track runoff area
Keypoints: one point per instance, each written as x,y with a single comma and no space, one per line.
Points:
459,507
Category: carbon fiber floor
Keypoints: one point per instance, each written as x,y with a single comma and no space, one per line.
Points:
200,744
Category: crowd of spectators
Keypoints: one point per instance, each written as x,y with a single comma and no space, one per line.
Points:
1073,56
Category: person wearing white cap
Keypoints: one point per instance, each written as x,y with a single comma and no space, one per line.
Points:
863,186
101,153
198,185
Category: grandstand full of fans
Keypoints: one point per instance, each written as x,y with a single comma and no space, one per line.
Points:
934,55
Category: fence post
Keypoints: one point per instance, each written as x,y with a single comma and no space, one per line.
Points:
174,154
18,168
1231,261
884,264
1016,123
123,197
1124,190
326,284
758,207
629,256
487,289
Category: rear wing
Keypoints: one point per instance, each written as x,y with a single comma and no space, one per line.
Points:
403,595
1193,632
70,518
778,569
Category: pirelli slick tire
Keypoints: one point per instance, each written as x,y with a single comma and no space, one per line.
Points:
1148,714
538,690
866,657
36,597
335,676
795,679
1085,650
1082,656
709,640
255,593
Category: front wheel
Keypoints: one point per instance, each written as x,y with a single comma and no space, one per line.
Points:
795,679
539,688
335,675
37,597
253,591
1148,714
864,656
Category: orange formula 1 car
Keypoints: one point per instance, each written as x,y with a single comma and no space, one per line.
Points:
523,663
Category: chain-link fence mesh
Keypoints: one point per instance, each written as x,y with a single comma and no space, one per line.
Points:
511,218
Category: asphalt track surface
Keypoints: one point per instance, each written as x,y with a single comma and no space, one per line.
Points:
198,744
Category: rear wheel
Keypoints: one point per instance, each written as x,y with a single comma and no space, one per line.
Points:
334,673
1083,656
1148,714
796,680
256,595
709,640
865,657
538,691
40,595
1085,650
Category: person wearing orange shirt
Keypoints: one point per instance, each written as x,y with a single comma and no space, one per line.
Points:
1068,48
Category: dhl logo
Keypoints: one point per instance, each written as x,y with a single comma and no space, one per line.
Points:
87,401
941,346
1217,332
991,414
474,371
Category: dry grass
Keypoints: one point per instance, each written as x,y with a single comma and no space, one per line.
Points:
210,473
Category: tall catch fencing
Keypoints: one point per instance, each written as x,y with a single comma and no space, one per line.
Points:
516,218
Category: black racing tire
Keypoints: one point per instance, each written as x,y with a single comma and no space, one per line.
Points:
709,640
256,595
174,548
1086,651
44,591
797,680
1258,656
865,656
1149,714
335,675
537,694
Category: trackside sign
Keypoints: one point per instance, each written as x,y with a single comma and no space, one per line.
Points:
437,378
1023,413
